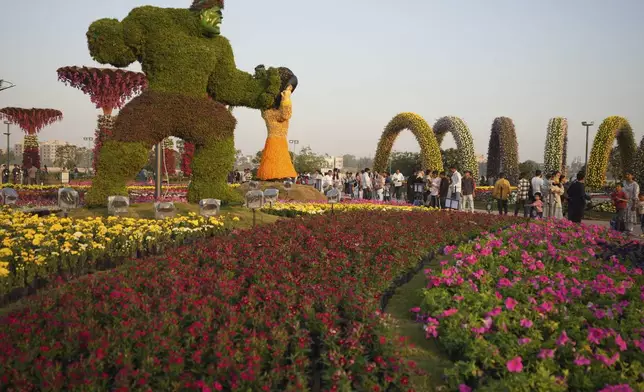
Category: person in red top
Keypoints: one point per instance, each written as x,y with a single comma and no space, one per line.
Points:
620,200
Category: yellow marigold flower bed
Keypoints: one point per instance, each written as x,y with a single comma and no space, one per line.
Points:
40,248
299,209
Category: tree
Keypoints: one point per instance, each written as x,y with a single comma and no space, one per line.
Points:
349,160
528,167
68,156
406,162
258,158
451,158
307,161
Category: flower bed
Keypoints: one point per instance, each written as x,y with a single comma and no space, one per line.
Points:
37,249
535,308
292,209
287,307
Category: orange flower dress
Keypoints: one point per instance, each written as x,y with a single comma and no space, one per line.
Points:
276,161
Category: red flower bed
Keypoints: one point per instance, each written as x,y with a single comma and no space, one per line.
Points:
287,307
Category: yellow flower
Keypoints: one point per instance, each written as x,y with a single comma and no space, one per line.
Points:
5,252
236,219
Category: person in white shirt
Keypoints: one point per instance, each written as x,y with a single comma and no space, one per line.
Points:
455,186
537,182
327,181
397,179
367,184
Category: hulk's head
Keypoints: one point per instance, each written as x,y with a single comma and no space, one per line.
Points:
209,13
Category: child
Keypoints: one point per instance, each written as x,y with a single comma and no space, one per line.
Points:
640,211
620,201
538,205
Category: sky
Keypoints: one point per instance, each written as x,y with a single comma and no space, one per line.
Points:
361,62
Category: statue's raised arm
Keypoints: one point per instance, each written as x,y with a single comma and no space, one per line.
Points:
231,86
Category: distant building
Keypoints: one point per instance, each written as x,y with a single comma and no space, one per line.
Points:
481,159
47,150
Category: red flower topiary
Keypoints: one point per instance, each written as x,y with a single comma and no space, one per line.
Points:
107,88
31,120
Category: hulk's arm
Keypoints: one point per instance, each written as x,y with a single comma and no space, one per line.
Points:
118,43
233,87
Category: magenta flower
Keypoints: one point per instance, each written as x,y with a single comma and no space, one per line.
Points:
514,365
464,388
524,341
494,312
449,312
563,339
617,388
415,310
595,335
525,323
620,343
546,353
580,360
510,303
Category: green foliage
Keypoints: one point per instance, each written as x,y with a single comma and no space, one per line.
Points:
529,167
452,157
466,157
503,154
106,42
429,150
406,162
556,145
308,161
611,128
210,166
70,156
119,163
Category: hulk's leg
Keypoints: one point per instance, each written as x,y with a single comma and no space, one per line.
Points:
118,163
214,155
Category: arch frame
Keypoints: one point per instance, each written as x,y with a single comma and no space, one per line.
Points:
611,129
462,137
503,154
430,154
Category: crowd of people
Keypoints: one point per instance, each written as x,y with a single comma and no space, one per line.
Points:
22,174
545,196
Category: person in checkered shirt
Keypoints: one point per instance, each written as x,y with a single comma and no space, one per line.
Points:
522,201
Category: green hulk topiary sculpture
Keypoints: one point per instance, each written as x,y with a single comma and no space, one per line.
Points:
186,62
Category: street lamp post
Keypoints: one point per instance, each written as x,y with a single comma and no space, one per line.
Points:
89,141
8,133
587,124
294,143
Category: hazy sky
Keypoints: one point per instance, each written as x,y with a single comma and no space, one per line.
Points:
360,62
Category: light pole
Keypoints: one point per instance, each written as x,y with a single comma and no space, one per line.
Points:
8,133
587,124
294,143
89,141
5,84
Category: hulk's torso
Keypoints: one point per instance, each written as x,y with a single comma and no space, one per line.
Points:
175,55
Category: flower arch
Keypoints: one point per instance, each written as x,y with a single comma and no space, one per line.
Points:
430,153
614,127
464,141
556,145
503,152
638,163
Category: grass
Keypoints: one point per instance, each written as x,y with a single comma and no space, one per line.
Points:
425,352
146,211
